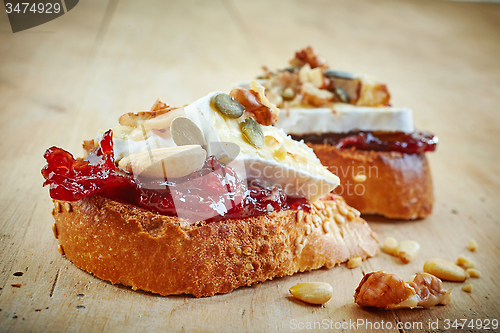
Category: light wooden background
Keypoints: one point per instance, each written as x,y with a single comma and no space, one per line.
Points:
63,81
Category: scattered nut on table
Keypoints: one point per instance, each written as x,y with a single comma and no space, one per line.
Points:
467,288
390,246
472,246
472,272
386,290
466,262
445,270
407,250
312,292
354,262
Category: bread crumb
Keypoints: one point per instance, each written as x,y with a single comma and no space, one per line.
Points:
354,262
473,272
467,288
465,261
472,246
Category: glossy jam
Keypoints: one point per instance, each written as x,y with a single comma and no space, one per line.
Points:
414,143
213,193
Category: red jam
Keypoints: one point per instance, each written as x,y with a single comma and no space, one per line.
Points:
213,193
414,143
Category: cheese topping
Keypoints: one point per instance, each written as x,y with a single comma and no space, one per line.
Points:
344,118
281,161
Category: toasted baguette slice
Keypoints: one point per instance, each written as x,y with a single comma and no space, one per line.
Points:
128,245
397,185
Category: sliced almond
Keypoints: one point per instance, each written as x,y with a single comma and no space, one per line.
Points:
172,162
160,119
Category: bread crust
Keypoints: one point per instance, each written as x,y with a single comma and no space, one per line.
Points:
397,185
125,244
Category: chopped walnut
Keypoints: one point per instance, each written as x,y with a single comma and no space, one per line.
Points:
308,56
89,146
314,96
336,86
256,102
385,290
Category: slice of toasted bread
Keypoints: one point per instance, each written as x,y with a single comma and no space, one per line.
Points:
126,244
392,184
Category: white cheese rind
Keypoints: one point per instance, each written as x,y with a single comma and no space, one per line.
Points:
344,118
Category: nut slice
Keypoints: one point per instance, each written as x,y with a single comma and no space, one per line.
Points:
171,162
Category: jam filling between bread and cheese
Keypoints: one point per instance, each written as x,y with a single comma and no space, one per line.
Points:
407,143
215,188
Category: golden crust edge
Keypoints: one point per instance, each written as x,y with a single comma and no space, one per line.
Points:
128,245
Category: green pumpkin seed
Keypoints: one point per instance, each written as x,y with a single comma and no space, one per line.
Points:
252,132
227,106
339,74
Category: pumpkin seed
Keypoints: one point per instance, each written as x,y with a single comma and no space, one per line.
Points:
288,93
252,132
339,74
227,105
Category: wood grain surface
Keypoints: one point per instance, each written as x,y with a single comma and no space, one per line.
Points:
64,80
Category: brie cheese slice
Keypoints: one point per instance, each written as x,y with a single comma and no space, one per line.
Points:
281,162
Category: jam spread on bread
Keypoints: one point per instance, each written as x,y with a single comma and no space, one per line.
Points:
408,143
215,189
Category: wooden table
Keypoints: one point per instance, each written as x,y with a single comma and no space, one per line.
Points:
64,80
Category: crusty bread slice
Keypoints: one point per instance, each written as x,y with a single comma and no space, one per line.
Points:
397,185
126,244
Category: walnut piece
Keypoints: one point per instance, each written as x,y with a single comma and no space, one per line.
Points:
389,291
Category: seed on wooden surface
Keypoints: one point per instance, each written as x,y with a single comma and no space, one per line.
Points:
472,272
465,262
354,262
467,288
312,292
472,246
445,270
391,246
407,250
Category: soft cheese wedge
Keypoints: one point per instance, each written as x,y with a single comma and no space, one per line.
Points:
281,161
